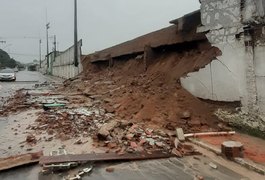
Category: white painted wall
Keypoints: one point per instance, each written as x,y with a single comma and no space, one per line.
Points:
239,74
221,80
260,76
63,66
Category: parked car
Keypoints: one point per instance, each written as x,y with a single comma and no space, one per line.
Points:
7,75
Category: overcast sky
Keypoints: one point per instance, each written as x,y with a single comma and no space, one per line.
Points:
101,23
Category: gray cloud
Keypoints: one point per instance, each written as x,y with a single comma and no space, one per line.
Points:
102,23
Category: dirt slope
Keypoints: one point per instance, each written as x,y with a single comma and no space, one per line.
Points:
153,97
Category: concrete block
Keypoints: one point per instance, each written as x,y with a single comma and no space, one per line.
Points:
180,134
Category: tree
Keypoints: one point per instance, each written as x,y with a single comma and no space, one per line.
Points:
6,61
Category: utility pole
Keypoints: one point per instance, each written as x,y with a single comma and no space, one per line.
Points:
40,51
75,35
54,43
47,36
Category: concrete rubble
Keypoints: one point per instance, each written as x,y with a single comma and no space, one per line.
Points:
86,115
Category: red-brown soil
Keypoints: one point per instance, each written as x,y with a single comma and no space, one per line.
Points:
153,97
253,147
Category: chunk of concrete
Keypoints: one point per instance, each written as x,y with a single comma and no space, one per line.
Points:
212,165
105,130
180,134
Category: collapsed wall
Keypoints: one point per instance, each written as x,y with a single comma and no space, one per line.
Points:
154,96
236,27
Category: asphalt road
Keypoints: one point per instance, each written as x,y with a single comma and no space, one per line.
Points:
25,79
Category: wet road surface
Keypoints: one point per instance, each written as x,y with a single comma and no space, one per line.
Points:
25,79
167,169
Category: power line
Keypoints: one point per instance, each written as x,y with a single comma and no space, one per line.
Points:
24,37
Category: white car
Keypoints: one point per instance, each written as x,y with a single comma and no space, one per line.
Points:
7,75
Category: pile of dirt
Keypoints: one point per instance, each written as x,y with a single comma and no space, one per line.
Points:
153,97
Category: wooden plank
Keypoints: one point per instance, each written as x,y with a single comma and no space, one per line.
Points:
20,160
209,134
103,157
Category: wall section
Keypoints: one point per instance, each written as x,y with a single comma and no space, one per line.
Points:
63,65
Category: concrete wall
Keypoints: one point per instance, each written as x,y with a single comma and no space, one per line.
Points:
63,65
239,74
221,80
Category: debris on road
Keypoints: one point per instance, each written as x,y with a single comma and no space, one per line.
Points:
31,139
20,160
80,174
106,129
110,169
212,165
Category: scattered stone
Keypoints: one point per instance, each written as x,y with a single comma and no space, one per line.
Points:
110,169
49,139
177,153
109,109
50,132
116,106
186,115
9,147
199,177
129,136
104,131
31,139
112,145
107,100
130,150
149,131
151,141
133,144
212,165
159,144
142,142
79,142
197,158
176,143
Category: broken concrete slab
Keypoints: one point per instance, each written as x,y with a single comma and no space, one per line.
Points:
104,131
180,134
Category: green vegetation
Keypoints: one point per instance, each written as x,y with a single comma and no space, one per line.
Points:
6,61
